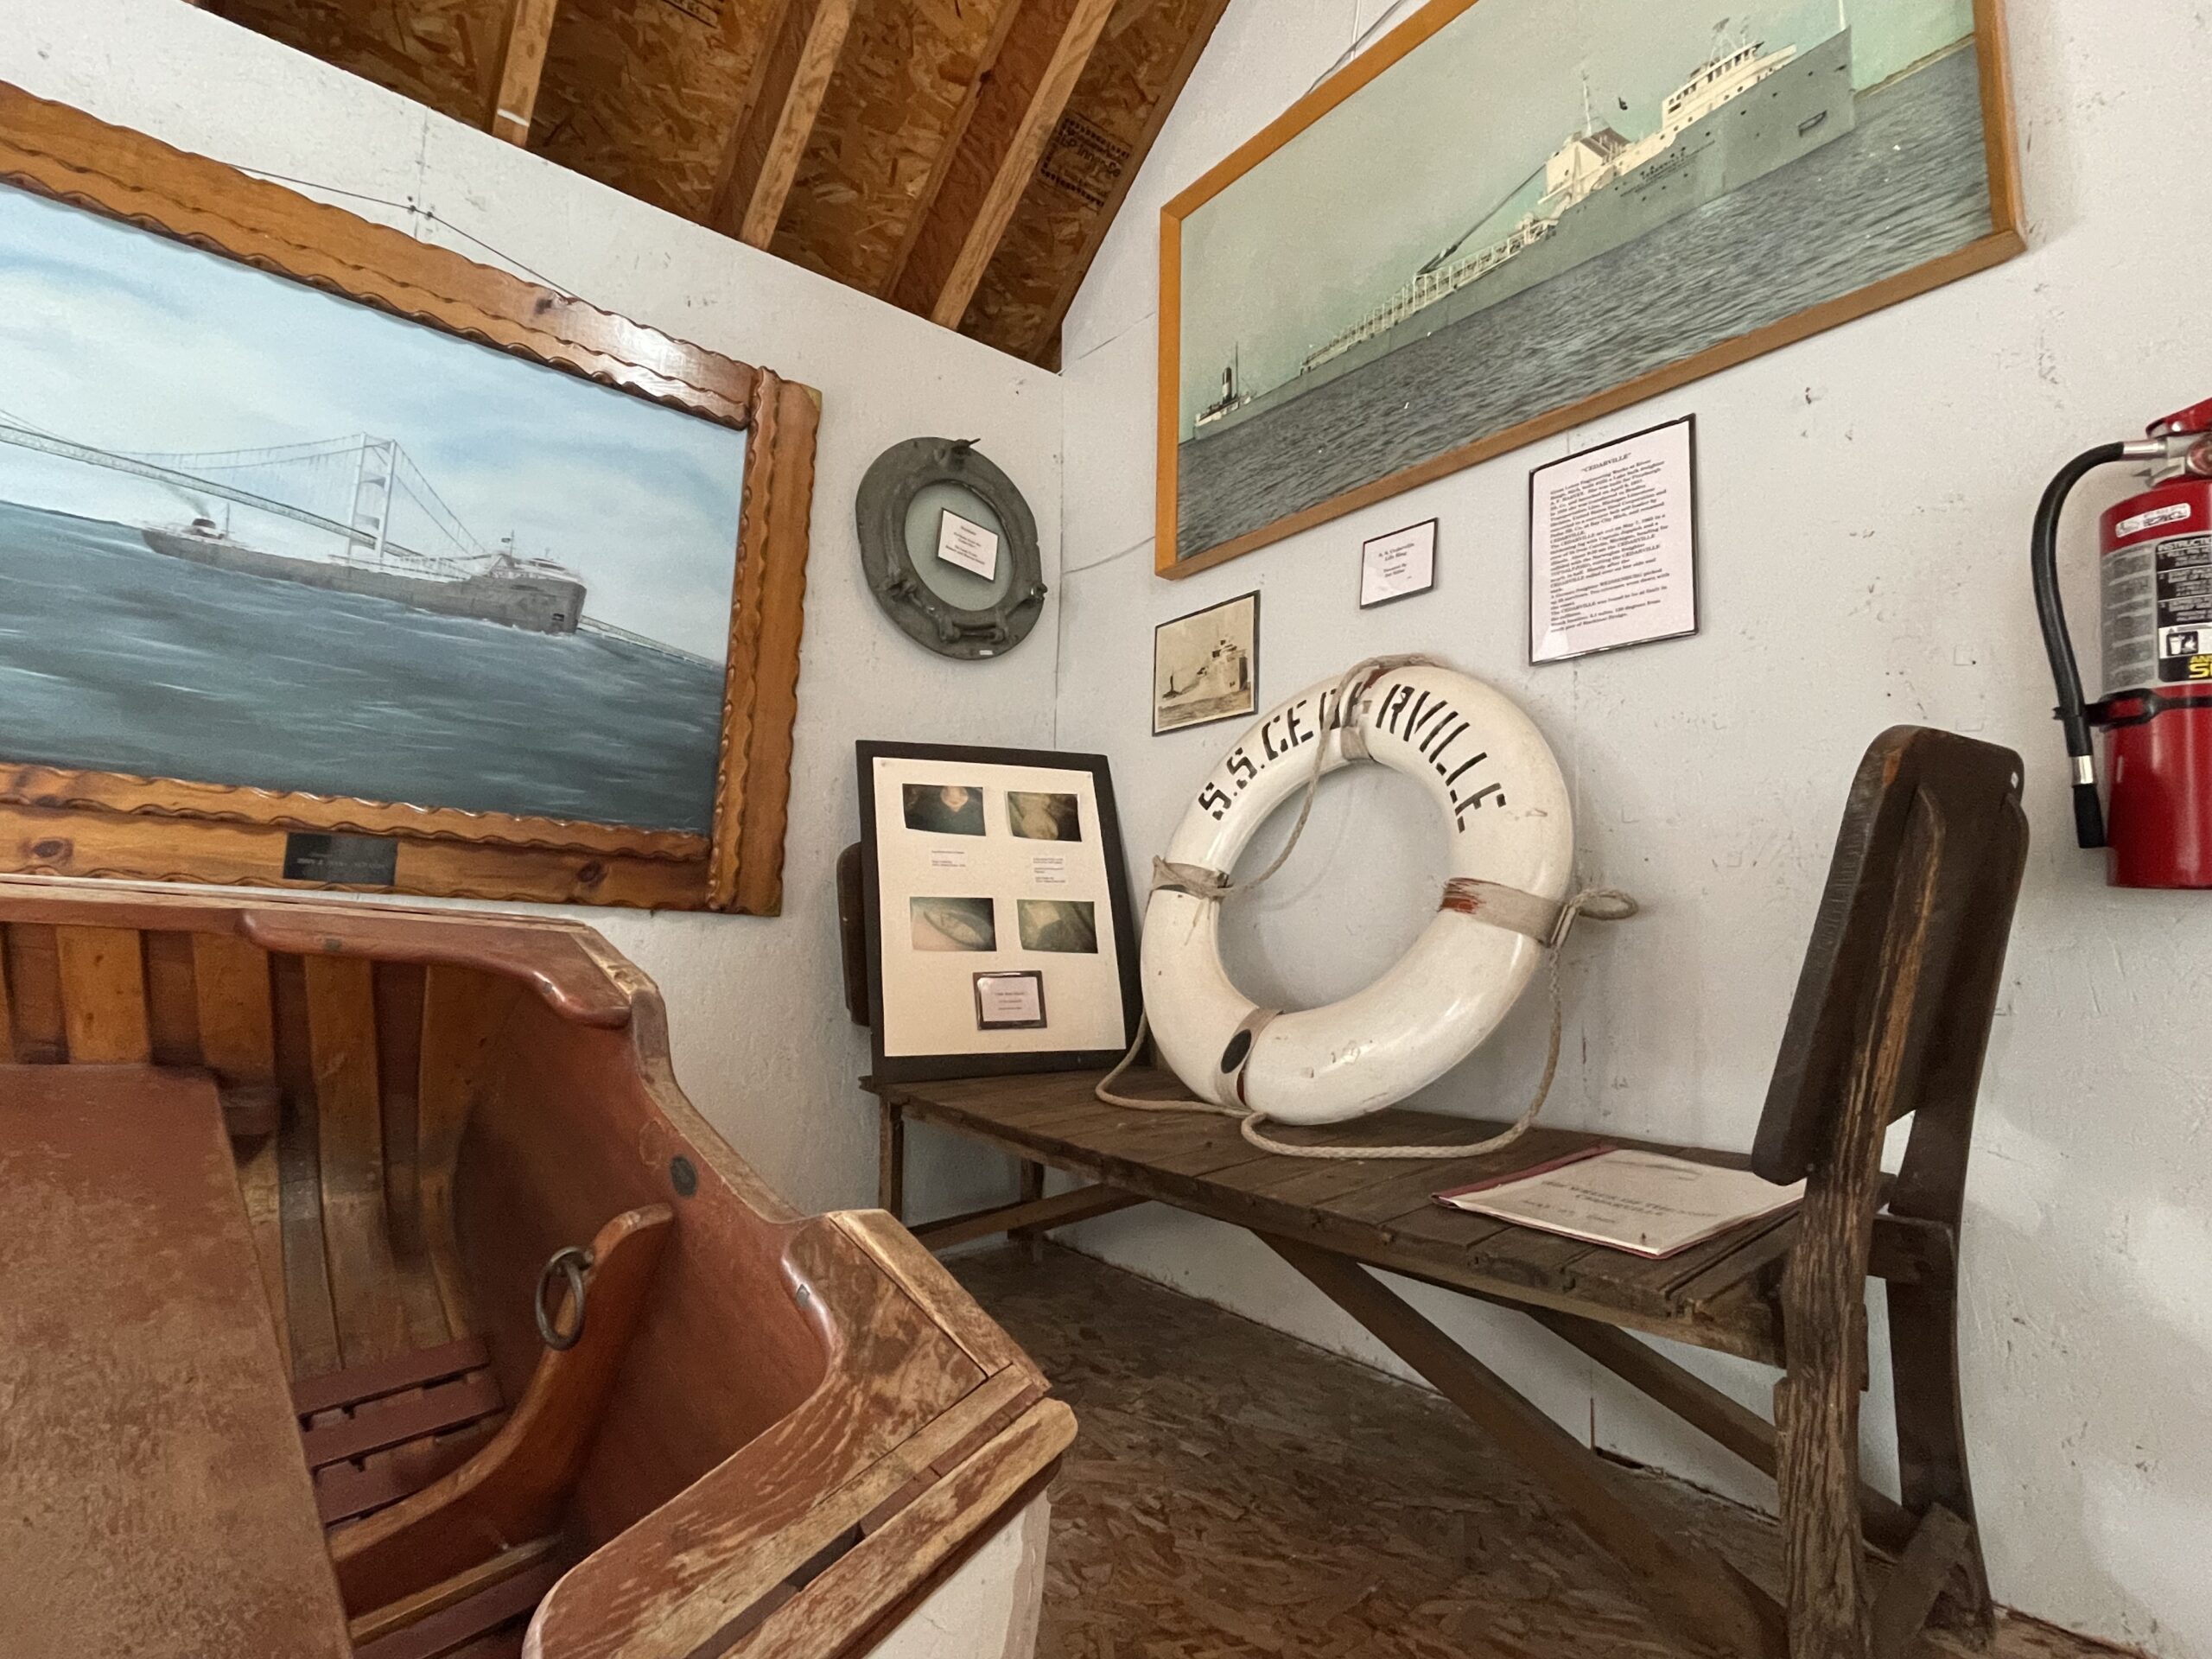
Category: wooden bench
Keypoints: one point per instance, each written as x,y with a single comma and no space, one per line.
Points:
147,1419
1891,1016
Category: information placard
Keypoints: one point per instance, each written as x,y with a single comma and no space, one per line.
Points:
1612,544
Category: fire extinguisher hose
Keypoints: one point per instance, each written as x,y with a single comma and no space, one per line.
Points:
2051,609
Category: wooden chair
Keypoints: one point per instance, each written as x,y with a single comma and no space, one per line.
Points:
1892,1017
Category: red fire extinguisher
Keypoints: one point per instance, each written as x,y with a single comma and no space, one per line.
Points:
2157,710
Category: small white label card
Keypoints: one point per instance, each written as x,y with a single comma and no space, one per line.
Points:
967,545
1612,544
1398,565
1011,1001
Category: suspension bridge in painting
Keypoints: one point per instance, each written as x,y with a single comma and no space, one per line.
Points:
365,491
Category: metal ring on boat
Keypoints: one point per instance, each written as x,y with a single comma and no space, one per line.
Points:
1491,773
569,1262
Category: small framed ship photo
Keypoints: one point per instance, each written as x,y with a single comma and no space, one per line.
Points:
1205,666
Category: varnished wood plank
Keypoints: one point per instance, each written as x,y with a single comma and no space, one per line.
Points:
364,1278
788,86
399,1068
900,1560
745,1546
466,1014
312,1317
416,1369
154,1500
261,1186
172,1012
503,1601
400,1614
992,164
412,1415
237,1030
103,994
1695,1590
34,991
522,63
553,961
7,1008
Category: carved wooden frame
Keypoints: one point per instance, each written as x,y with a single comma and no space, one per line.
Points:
60,822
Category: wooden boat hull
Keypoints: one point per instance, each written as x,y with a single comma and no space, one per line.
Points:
778,1431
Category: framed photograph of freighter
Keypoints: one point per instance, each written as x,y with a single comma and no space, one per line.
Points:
330,559
1507,217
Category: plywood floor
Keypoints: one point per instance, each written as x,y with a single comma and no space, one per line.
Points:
1233,1492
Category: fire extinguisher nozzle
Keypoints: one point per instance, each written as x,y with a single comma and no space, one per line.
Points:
2088,817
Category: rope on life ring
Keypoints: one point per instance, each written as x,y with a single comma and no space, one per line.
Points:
1497,904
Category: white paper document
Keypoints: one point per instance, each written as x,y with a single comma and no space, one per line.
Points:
1612,546
967,545
1645,1203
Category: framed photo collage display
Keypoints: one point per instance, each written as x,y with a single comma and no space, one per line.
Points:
996,910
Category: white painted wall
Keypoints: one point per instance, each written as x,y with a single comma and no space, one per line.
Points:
1866,498
761,1041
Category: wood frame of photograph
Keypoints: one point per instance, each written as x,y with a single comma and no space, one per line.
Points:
2001,242
861,932
56,820
1158,730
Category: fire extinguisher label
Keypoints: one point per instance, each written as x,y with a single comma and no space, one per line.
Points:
2175,513
2184,609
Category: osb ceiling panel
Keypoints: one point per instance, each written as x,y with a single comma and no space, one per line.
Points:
1135,72
899,98
644,94
443,53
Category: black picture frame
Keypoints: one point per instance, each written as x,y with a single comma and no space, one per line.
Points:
917,1068
1697,537
1158,628
1434,524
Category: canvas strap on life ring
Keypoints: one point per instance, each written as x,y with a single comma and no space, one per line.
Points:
1419,714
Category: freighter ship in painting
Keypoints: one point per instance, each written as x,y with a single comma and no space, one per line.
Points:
534,594
1741,114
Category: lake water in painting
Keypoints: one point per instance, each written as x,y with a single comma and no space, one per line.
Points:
252,533
1907,184
114,658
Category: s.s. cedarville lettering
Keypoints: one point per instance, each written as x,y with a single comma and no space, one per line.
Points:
1427,721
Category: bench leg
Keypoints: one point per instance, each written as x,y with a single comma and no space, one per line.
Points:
891,1162
1931,1426
1823,1560
1698,1594
1033,1188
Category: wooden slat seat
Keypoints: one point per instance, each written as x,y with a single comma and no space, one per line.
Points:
1718,1294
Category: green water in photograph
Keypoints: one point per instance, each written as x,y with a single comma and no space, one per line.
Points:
1907,184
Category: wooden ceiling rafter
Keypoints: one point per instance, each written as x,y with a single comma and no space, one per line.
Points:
782,106
1018,100
522,66
961,159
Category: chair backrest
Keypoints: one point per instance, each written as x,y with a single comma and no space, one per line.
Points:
1903,970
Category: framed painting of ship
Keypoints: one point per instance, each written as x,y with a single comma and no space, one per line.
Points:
330,559
1509,217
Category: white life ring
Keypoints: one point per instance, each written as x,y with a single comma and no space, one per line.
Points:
1494,779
